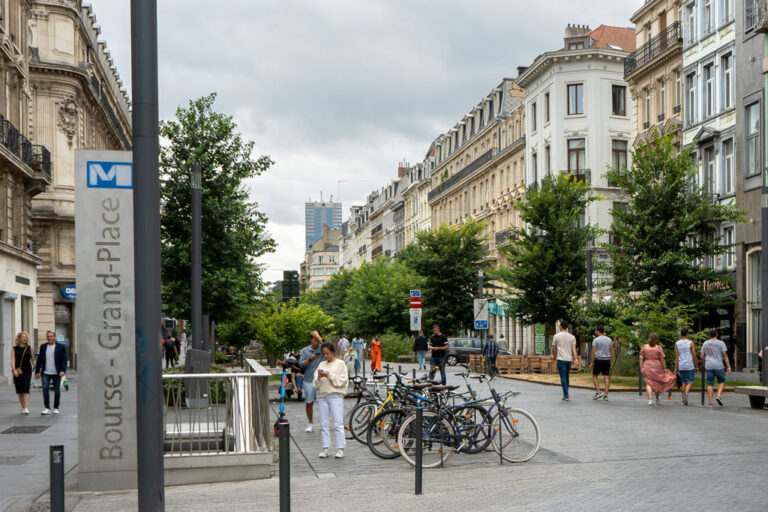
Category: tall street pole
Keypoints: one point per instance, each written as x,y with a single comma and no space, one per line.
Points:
480,277
764,242
146,222
197,287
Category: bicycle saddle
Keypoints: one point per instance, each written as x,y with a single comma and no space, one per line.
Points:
420,385
443,388
380,377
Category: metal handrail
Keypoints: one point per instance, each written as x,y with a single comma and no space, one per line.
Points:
463,173
666,39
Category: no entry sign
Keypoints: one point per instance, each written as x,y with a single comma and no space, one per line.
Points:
415,302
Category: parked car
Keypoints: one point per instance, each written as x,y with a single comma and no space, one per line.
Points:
459,350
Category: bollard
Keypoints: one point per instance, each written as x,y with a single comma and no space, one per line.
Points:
414,373
703,372
419,433
501,440
57,478
285,467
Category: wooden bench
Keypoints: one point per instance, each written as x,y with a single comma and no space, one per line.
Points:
757,395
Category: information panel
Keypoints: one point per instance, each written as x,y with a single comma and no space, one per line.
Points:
105,320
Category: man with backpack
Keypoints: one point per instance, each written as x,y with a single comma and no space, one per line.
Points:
171,354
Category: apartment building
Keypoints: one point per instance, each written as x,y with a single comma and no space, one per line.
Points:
416,197
322,260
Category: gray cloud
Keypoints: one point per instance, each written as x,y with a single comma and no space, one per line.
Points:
342,89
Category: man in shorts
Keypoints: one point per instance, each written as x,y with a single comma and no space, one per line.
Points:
715,355
602,353
686,362
309,360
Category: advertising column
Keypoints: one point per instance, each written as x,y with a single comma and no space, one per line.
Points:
105,320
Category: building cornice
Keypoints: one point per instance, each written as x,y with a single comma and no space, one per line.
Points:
545,60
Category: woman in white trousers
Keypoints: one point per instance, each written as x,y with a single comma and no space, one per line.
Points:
331,379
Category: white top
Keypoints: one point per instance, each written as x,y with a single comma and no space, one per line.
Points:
50,360
564,341
684,356
337,380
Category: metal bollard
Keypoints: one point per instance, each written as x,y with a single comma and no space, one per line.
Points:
57,478
419,429
501,441
703,372
414,373
285,467
399,368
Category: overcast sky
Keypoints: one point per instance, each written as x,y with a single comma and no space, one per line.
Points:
337,92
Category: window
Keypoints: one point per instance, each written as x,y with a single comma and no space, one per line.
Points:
709,170
709,25
575,99
728,167
533,116
576,155
753,139
648,34
619,152
690,25
678,89
728,242
662,99
727,81
690,107
750,14
548,160
576,46
709,90
726,9
534,166
754,296
619,100
647,108
546,107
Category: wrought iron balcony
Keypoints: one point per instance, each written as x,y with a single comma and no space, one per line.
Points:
670,37
466,171
504,236
35,156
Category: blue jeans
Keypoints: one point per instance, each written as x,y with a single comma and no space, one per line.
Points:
421,356
438,363
358,360
490,364
564,369
56,390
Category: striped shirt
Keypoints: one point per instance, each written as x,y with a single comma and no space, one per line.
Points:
491,348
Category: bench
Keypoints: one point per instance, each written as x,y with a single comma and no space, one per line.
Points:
407,358
757,395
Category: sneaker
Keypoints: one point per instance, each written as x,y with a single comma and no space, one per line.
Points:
566,399
45,411
55,411
324,454
605,398
597,396
650,402
657,401
685,398
339,454
719,401
309,429
25,411
710,406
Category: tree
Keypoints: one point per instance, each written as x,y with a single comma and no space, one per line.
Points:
544,272
377,298
667,230
233,229
448,260
287,329
333,295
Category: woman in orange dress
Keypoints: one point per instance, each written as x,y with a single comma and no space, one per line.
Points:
657,378
375,354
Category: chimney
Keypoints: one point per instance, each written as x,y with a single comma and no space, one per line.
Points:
402,168
576,31
521,70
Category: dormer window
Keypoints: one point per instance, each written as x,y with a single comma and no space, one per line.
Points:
577,45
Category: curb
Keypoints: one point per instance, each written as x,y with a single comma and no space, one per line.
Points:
574,386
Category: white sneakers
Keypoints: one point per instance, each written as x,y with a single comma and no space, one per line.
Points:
324,453
45,411
25,411
339,454
309,429
55,411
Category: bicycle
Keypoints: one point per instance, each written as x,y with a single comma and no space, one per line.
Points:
514,433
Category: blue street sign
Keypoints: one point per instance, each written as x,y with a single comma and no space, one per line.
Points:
481,324
415,293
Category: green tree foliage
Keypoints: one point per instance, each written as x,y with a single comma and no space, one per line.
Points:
233,228
377,298
545,273
333,295
448,260
287,328
668,229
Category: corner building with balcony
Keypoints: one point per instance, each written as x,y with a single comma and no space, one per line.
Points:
478,175
577,116
654,72
77,103
25,172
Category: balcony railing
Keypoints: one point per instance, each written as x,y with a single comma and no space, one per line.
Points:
37,157
466,171
669,37
504,236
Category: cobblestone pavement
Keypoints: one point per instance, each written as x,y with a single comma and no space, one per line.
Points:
620,454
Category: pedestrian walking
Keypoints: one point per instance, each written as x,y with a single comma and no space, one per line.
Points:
503,343
331,380
310,359
51,366
602,353
420,347
343,346
490,352
375,354
358,345
177,344
716,363
658,379
564,351
439,344
170,353
686,362
21,369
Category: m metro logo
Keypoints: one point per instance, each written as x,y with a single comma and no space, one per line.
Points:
110,175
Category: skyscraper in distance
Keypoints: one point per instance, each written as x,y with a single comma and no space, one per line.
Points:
315,215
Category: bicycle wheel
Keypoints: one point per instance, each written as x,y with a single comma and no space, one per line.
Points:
359,420
473,433
381,435
519,433
437,440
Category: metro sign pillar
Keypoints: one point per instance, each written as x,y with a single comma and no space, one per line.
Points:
415,310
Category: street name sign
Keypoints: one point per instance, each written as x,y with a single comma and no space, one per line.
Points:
106,329
415,293
481,314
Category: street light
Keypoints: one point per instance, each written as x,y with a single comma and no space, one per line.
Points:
196,178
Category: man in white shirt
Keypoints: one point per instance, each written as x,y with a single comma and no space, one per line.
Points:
564,350
51,365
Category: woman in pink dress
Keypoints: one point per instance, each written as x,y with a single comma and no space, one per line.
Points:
657,378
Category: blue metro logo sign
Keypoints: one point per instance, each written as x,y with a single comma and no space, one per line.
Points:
110,175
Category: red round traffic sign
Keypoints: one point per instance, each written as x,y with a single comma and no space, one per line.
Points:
415,302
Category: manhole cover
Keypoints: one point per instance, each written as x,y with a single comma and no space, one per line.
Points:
25,429
14,461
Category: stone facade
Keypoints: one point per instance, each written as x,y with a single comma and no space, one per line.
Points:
77,103
322,260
